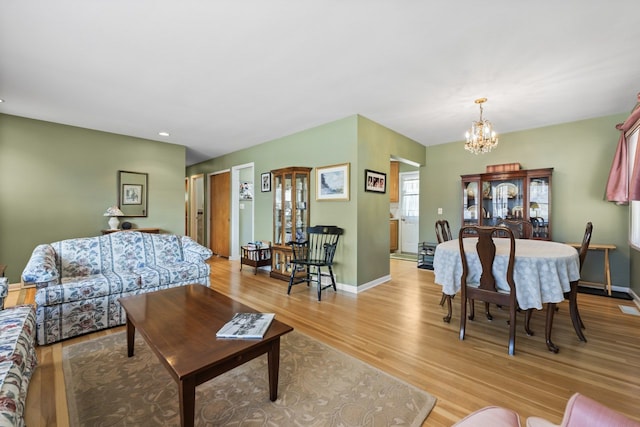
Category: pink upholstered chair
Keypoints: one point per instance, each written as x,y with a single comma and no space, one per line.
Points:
584,412
491,416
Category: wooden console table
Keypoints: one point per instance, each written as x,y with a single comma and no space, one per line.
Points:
607,269
142,230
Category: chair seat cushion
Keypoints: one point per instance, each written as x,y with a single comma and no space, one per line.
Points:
493,416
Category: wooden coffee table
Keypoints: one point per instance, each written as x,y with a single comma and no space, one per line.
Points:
179,325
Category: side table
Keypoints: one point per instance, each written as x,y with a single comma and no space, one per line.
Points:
607,269
255,256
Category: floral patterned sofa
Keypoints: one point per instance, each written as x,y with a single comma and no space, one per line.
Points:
17,357
78,281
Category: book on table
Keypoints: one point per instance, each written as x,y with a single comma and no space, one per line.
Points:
246,325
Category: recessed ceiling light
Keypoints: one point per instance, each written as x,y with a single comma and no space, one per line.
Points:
163,133
1,100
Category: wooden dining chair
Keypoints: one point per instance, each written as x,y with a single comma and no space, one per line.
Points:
443,234
582,255
522,229
486,288
312,255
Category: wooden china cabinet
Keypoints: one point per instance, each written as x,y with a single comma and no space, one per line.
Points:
519,194
290,216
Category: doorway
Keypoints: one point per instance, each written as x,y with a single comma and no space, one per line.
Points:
220,213
409,211
242,207
196,209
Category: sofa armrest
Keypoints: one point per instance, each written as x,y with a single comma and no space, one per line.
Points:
41,268
4,291
193,251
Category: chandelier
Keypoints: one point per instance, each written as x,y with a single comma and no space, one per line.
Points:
481,138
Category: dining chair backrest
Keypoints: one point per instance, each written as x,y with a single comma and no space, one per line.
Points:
320,246
522,229
584,247
486,289
443,232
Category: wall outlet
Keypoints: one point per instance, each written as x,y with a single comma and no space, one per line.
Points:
439,211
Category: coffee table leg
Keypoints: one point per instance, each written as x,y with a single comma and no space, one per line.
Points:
131,333
187,391
274,368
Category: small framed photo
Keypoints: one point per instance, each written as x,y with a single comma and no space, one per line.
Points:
246,190
131,194
265,179
332,182
376,182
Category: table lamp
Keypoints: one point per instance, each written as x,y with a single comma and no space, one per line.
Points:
114,212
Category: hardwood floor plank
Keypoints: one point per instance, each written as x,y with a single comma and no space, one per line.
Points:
398,327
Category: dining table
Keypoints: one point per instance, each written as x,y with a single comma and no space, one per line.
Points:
545,272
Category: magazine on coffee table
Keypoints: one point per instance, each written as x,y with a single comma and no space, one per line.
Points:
246,325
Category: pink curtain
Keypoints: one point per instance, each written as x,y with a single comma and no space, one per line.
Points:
619,188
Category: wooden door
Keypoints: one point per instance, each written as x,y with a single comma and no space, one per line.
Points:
220,198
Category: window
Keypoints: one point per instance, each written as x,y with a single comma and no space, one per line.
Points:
634,205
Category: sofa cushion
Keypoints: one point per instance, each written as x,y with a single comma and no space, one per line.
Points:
162,249
82,288
123,251
176,272
78,257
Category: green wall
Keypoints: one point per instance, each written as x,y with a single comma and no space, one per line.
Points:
328,144
580,153
376,145
363,253
56,181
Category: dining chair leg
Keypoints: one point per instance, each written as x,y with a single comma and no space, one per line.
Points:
487,312
443,298
319,282
512,330
472,309
463,316
573,311
551,310
333,279
447,298
527,321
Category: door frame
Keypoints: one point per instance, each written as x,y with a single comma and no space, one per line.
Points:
400,201
235,209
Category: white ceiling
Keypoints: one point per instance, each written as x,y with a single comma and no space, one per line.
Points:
224,75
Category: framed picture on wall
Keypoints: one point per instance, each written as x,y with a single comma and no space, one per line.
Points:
332,182
265,179
375,182
131,194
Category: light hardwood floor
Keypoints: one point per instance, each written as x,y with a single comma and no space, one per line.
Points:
398,328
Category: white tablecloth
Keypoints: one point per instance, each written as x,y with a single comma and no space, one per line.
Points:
543,270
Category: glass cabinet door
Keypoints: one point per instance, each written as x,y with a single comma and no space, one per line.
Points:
470,202
302,200
539,209
502,199
288,213
277,210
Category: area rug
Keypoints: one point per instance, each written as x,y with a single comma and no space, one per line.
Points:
318,386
